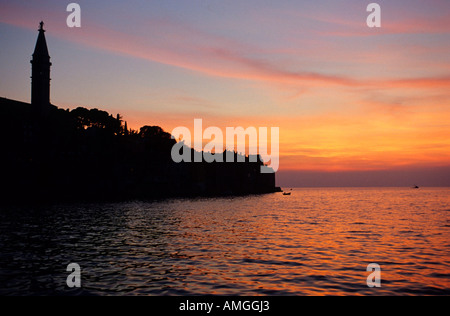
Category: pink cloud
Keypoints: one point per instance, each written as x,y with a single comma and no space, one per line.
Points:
188,48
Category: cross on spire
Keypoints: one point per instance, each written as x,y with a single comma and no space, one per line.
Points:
41,26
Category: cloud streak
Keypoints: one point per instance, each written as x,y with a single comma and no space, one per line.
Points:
186,47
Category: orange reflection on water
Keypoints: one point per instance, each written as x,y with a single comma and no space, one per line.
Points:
317,242
314,242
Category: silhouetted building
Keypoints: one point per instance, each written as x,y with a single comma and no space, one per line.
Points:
51,154
40,75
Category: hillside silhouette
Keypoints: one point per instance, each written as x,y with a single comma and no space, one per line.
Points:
51,154
89,154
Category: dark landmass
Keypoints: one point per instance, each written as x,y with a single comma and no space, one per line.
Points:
51,154
90,155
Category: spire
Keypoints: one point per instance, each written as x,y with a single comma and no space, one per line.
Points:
41,50
40,74
125,129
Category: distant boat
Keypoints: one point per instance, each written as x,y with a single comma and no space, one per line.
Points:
415,187
286,193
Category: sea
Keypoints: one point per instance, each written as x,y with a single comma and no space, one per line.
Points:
316,241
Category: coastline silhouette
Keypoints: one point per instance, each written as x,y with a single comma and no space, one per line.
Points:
55,154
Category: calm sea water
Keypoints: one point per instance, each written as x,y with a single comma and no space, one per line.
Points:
314,242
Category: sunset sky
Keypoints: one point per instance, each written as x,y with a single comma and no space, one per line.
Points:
355,105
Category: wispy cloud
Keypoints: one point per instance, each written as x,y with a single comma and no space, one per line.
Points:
183,46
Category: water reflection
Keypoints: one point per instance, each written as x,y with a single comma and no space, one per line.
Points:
317,241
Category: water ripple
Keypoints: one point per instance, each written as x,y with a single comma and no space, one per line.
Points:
316,242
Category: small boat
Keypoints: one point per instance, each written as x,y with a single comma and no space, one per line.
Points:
415,187
286,193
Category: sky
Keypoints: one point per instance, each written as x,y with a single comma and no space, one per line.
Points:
356,106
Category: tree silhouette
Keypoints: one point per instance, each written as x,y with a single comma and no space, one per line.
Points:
90,154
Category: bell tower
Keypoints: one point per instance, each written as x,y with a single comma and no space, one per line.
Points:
40,74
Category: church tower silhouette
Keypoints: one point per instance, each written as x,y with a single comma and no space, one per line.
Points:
40,74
